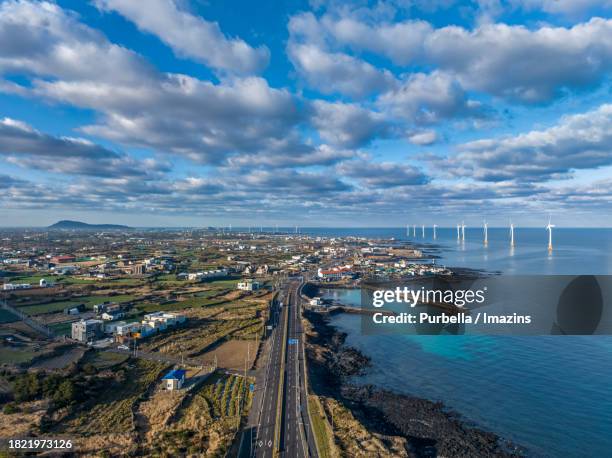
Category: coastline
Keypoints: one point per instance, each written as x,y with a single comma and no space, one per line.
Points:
426,428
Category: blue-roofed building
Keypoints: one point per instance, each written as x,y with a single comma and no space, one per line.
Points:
174,379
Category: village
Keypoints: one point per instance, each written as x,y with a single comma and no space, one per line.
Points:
125,317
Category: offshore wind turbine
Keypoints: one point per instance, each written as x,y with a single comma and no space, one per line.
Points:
549,229
458,233
414,230
407,230
462,231
423,230
486,233
511,235
434,231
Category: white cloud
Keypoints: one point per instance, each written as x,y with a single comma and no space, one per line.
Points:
510,61
337,72
347,125
581,141
191,36
426,98
24,146
72,63
423,137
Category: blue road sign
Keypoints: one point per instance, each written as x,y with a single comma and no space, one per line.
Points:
293,341
252,387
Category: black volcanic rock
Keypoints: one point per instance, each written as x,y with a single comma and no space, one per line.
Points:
78,225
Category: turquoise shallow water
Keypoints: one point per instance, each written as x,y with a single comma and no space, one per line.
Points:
551,394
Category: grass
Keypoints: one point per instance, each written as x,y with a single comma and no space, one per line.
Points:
104,359
208,424
319,426
89,302
111,411
18,356
62,329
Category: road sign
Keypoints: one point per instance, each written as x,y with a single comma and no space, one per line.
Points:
252,387
293,341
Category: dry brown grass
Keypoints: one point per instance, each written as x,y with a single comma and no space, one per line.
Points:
24,422
232,354
354,439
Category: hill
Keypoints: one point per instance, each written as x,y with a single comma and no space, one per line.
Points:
78,225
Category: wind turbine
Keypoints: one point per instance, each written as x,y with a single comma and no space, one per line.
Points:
486,234
549,229
511,235
407,230
458,229
423,230
462,231
434,231
414,230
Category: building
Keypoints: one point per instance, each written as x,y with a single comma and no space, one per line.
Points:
174,379
63,259
209,274
248,285
87,330
15,286
169,319
315,302
112,316
109,307
127,329
138,269
65,270
335,273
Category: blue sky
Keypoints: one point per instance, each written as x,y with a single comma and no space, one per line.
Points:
192,112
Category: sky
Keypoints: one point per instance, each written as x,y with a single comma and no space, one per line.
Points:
310,113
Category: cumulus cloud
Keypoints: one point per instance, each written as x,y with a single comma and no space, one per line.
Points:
427,98
69,62
24,146
191,36
571,8
581,141
337,72
383,174
510,61
303,156
423,137
348,125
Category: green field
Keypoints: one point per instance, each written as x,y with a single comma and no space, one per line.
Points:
62,329
89,302
15,356
103,359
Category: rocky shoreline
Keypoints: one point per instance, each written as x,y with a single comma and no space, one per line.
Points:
429,428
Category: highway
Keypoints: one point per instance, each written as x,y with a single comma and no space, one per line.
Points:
263,444
296,434
283,414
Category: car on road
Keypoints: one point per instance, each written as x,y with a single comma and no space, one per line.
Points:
123,347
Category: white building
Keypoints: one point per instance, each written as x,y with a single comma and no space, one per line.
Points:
316,301
248,285
15,286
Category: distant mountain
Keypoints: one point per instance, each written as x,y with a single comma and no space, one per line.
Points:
66,224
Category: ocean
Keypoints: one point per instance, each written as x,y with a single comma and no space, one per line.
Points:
550,394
